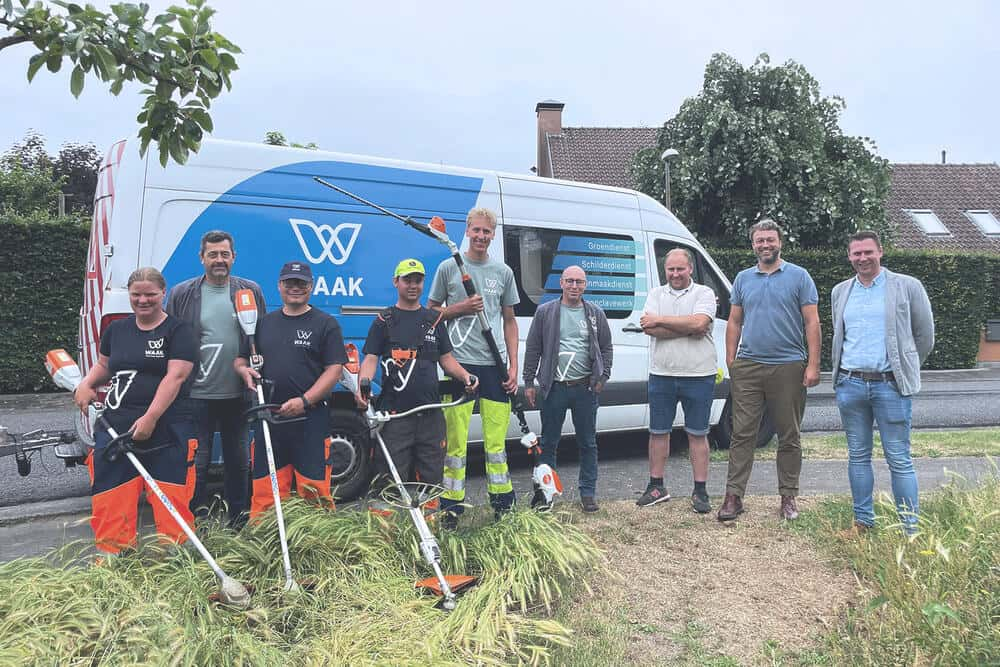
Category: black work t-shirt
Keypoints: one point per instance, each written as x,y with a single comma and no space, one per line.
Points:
296,350
408,383
138,360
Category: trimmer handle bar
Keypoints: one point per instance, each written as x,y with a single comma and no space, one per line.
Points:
265,412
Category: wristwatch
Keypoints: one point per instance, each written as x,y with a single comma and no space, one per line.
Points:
305,402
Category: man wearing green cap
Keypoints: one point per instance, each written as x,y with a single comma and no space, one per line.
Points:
410,341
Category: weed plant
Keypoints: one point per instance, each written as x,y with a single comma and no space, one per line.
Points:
930,599
152,606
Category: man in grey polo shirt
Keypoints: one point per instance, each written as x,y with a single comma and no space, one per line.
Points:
774,309
206,302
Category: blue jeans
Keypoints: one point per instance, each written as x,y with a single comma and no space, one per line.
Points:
861,402
582,404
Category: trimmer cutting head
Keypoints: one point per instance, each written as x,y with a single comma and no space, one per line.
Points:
457,582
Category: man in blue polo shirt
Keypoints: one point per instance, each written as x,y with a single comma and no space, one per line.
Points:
772,350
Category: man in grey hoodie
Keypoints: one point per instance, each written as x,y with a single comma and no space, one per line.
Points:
569,351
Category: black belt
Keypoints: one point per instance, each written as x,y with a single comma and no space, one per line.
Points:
573,383
873,377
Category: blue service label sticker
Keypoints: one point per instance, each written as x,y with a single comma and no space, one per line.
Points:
595,264
596,283
606,302
597,245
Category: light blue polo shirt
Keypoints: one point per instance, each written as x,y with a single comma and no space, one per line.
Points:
773,328
864,328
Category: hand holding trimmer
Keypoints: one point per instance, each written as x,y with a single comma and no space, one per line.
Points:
66,375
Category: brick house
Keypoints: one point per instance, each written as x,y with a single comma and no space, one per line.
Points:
954,207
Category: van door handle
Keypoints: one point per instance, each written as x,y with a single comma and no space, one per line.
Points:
632,328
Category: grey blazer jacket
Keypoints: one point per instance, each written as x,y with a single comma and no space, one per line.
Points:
541,348
909,327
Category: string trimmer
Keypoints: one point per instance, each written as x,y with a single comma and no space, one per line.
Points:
66,375
436,230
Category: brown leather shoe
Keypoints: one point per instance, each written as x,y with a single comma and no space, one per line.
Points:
856,531
788,510
732,507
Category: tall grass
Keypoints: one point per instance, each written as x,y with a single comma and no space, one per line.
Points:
151,607
933,599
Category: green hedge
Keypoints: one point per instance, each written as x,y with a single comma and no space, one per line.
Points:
42,263
964,290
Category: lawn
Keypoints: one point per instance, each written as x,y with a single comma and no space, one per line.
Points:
932,444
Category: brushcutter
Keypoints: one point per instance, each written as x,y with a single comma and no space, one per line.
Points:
66,375
436,230
246,311
410,495
23,447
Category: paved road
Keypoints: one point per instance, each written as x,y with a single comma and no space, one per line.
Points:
949,399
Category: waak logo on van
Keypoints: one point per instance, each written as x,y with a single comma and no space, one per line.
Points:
334,244
155,350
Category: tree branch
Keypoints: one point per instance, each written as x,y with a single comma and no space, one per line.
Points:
11,41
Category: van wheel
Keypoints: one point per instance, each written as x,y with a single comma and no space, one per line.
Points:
722,433
350,455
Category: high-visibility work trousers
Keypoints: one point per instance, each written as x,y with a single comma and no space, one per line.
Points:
302,453
496,418
116,486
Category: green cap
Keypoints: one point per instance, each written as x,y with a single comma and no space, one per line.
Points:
408,266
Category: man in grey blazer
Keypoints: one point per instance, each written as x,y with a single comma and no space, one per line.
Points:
883,331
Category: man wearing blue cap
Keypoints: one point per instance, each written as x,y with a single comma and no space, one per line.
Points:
410,342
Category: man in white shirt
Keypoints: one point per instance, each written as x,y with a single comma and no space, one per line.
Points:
682,367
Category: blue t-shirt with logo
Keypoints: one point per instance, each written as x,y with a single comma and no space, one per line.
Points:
773,327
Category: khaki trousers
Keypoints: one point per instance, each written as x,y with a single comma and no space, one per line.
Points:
779,388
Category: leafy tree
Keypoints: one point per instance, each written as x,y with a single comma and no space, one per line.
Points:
275,138
177,55
76,166
762,141
28,190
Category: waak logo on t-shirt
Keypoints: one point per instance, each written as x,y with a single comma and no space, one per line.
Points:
155,350
302,337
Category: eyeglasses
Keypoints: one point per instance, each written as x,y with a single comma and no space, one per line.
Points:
575,281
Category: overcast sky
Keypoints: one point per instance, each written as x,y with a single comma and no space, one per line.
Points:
457,82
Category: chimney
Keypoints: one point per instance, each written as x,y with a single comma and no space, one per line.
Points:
549,115
943,161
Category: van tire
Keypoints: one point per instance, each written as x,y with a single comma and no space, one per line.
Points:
722,433
349,429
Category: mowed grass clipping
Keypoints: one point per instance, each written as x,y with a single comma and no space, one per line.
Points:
930,444
152,607
933,599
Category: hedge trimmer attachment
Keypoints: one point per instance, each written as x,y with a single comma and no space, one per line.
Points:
410,496
436,230
246,311
66,375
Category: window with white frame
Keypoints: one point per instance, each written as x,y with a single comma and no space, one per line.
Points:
928,221
986,221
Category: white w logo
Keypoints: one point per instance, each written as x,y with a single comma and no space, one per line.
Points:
455,327
116,390
328,238
401,380
213,350
303,335
155,344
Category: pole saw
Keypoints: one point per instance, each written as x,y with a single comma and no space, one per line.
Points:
544,477
66,375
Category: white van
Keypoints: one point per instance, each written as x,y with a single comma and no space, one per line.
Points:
265,196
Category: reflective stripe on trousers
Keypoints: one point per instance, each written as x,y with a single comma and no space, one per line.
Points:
495,418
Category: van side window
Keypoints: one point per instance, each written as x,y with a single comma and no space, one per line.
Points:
538,257
703,273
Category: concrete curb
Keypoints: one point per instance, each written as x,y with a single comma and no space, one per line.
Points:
44,510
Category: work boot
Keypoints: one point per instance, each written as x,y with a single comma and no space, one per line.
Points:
788,511
502,503
588,504
539,502
731,508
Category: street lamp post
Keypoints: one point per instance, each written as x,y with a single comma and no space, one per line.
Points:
667,156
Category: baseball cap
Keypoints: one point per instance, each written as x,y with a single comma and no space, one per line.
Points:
296,270
408,266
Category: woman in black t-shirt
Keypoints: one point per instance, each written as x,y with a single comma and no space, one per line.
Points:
148,359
